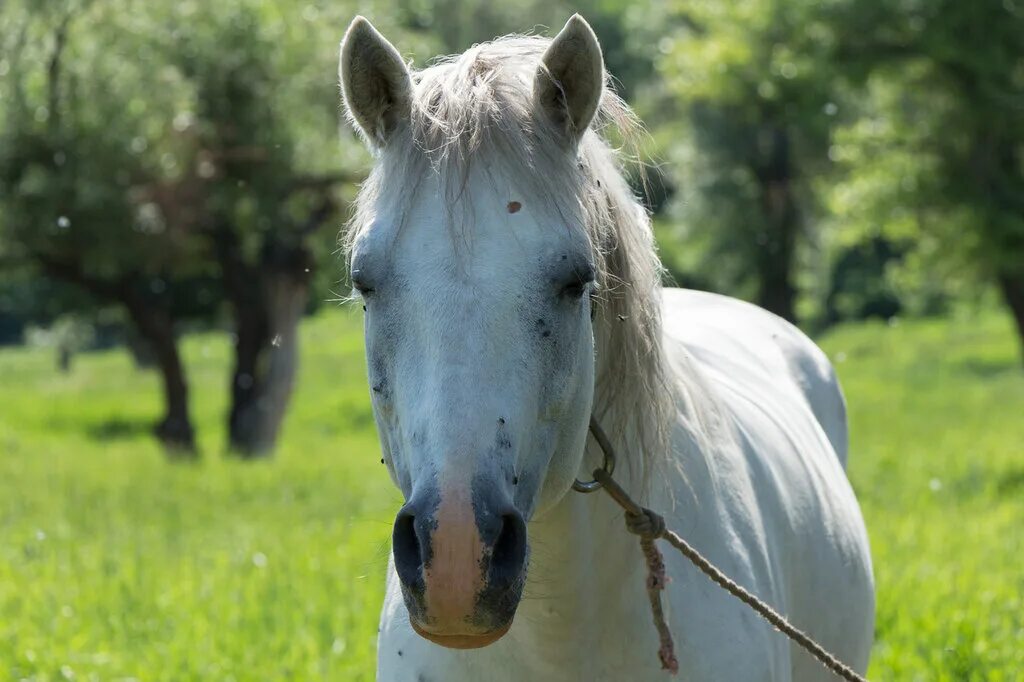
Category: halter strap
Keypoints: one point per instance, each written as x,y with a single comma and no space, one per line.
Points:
608,467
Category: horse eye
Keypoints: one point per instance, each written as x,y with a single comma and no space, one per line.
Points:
575,289
580,283
361,287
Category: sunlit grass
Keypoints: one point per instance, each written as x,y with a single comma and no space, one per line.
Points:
937,460
115,563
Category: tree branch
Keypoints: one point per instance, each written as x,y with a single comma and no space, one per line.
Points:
317,217
60,38
325,181
72,272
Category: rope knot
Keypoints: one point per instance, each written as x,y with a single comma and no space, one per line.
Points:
650,527
647,524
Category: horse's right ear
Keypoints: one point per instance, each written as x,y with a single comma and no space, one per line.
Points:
375,83
570,79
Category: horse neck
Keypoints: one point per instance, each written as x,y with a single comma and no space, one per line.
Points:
580,550
583,558
581,554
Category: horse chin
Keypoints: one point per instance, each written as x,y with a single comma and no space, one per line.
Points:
461,640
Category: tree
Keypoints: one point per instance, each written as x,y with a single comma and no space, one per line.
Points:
758,107
259,206
73,181
939,153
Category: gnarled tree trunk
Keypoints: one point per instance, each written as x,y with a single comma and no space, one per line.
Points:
256,419
268,300
1011,285
156,326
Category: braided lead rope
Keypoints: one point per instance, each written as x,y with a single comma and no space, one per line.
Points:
650,526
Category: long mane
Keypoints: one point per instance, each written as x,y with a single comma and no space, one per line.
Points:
478,106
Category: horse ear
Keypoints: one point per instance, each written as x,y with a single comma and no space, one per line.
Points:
375,83
570,79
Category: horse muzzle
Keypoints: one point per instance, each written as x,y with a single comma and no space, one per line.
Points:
461,561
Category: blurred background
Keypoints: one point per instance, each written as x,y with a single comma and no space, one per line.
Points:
190,484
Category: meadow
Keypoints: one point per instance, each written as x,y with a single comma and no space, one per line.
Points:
116,564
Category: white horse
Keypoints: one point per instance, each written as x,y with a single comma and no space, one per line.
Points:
512,290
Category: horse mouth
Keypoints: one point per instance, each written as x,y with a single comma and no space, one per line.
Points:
461,640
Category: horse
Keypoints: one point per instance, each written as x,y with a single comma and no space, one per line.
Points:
512,291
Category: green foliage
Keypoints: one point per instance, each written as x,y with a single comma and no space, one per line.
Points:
755,102
935,159
115,563
81,161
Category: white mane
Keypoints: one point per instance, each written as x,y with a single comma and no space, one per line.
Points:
477,106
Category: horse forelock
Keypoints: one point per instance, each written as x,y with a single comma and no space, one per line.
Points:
476,110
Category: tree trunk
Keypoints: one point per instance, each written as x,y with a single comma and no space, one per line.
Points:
157,327
257,419
776,291
64,358
1012,287
251,339
268,300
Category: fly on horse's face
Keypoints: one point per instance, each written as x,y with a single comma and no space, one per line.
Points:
479,344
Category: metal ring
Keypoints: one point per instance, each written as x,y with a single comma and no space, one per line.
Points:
609,459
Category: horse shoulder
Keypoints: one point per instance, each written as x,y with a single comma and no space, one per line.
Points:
776,469
765,344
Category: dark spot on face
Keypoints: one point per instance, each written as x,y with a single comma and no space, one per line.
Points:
564,257
540,322
546,333
399,652
514,206
515,480
378,375
501,438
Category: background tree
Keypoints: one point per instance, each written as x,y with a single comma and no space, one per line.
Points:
258,191
936,160
756,104
74,177
178,165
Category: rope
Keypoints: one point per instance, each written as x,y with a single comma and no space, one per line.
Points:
650,526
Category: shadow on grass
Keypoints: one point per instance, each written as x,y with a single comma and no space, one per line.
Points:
118,428
1011,482
985,368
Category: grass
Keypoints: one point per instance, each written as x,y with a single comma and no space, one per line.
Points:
116,564
937,460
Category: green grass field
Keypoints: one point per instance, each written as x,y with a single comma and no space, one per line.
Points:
116,564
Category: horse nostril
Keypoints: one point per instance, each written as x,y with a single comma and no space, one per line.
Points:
509,552
407,548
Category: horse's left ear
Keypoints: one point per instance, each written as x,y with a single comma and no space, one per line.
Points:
570,79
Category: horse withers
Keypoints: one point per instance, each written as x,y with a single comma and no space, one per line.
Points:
512,290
